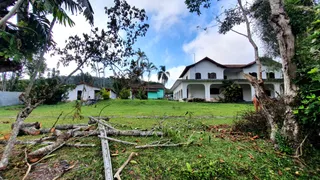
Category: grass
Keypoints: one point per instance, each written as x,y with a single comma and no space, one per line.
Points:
211,154
123,110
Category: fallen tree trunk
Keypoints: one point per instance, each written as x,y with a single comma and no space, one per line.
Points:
29,128
61,140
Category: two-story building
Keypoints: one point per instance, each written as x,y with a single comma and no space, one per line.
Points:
204,79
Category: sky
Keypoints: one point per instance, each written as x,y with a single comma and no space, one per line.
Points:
173,39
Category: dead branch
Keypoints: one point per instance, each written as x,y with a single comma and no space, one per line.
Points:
133,133
299,149
100,122
117,140
117,175
29,165
160,145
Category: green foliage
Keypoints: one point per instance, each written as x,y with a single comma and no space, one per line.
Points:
43,87
254,122
283,144
231,91
105,94
77,110
124,93
141,94
206,169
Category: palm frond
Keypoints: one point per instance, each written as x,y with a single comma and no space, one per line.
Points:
88,11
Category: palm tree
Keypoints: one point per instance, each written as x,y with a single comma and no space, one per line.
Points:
33,27
149,68
163,75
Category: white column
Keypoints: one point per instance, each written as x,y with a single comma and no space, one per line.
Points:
184,90
207,92
277,89
253,92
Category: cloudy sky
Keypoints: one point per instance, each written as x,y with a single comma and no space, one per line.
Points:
173,38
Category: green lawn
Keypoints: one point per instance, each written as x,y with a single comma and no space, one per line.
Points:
126,111
211,154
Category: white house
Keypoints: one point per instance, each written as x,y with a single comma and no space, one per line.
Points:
86,92
204,80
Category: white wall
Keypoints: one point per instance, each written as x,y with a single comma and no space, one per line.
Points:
9,98
253,68
204,68
113,95
86,92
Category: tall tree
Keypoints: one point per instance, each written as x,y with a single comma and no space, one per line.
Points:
149,68
163,75
96,47
21,40
286,43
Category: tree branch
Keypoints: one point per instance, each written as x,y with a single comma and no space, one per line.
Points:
11,13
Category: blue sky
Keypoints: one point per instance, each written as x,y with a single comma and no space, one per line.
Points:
173,38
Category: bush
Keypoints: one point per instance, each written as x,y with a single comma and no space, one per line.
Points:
257,123
208,170
141,94
124,93
43,87
254,122
232,92
105,94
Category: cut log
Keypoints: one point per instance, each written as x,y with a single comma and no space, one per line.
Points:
61,140
29,128
70,126
119,133
29,131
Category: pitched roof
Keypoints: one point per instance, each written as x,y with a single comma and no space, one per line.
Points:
217,64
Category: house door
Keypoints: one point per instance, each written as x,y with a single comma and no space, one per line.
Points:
79,94
241,95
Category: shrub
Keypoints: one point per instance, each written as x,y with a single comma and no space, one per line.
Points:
206,169
43,87
251,121
257,123
124,93
232,92
141,94
105,94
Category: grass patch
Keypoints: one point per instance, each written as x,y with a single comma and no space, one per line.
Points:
210,155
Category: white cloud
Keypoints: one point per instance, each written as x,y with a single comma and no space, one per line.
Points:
230,48
164,13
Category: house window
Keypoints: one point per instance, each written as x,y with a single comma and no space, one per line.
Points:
198,75
270,75
253,74
212,75
214,91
